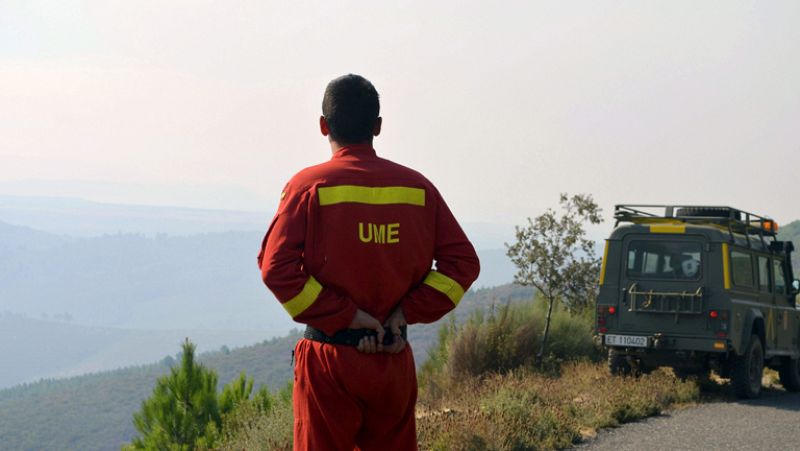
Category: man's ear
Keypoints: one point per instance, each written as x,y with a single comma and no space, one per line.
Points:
376,130
323,126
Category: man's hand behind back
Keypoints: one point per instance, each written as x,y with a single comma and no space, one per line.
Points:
373,344
363,320
396,320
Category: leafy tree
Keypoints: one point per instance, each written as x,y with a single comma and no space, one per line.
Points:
183,412
553,254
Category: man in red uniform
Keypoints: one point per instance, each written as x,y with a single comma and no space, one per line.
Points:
348,253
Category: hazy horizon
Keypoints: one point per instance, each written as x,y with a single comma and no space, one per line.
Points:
502,106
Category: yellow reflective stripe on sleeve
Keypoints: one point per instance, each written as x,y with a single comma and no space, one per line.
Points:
302,301
387,195
445,285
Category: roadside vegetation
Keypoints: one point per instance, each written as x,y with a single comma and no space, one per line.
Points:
482,389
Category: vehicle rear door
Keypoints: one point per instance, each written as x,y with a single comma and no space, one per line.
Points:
662,284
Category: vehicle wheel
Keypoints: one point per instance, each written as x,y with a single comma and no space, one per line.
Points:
707,212
790,374
618,364
748,370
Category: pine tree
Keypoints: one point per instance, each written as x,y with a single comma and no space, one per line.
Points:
183,413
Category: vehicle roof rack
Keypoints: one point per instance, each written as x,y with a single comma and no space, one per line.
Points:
733,219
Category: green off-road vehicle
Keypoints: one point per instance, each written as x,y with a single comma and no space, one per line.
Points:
699,289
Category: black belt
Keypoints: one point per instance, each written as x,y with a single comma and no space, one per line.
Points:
350,337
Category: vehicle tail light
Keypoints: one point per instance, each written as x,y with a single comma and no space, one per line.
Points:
603,317
718,321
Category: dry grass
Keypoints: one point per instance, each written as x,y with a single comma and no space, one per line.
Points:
519,410
523,410
479,390
250,428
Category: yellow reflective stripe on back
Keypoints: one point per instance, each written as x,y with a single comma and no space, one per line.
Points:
386,195
445,285
302,301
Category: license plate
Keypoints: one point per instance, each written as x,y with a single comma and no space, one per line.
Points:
626,340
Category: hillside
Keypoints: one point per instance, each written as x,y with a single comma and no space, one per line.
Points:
134,281
32,349
74,305
93,412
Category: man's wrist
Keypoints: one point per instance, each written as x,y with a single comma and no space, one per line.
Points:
403,311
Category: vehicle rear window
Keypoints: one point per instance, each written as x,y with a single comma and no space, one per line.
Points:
670,260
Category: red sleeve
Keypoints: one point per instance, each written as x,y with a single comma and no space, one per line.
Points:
457,267
281,263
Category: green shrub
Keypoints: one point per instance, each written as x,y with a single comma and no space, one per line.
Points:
186,413
504,339
183,413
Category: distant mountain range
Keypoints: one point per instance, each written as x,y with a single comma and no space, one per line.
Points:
109,288
82,218
32,349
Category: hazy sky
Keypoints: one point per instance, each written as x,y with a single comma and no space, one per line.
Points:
502,104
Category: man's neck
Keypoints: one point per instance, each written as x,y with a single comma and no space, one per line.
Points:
335,146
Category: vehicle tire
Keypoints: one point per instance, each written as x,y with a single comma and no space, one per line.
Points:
790,374
707,212
748,370
618,364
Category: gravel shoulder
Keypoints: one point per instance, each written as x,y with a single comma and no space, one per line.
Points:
769,423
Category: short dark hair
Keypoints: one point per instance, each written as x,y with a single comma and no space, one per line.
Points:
351,107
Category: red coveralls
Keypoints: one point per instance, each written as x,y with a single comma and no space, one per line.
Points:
355,232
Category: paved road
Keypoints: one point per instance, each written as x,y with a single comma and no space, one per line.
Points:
769,423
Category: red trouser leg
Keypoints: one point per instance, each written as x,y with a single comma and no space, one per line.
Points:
345,400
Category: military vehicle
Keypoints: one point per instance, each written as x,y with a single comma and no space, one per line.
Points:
699,288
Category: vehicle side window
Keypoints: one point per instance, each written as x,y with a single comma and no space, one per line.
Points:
764,269
780,281
742,266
